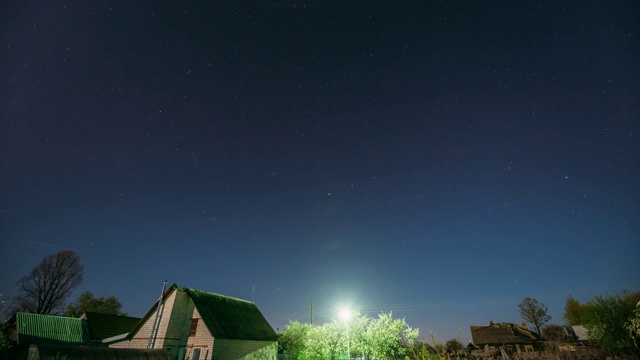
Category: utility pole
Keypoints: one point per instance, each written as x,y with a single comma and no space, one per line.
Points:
311,312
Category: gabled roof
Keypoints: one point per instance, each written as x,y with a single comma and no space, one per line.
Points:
502,333
580,332
50,329
102,326
225,317
230,318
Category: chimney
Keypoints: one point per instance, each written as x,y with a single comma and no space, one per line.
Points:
524,325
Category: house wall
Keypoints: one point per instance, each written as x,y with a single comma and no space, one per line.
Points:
202,339
174,330
141,339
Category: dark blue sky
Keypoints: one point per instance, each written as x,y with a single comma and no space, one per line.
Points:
438,160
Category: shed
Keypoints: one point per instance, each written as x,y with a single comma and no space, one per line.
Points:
49,330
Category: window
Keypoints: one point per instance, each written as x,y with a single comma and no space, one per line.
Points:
196,354
194,327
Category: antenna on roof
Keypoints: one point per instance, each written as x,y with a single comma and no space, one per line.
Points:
156,323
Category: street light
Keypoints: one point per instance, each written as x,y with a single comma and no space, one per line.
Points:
346,316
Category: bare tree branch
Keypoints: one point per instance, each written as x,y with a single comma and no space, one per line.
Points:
50,282
535,312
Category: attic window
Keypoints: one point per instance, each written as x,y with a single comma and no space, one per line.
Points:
194,327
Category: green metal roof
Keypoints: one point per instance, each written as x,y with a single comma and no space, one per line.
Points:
230,318
224,316
102,326
50,329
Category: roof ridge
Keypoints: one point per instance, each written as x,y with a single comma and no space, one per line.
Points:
188,289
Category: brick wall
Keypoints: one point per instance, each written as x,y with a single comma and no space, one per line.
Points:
202,338
141,338
174,329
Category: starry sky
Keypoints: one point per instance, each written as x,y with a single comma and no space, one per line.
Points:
439,160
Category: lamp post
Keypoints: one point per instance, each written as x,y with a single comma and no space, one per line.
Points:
346,316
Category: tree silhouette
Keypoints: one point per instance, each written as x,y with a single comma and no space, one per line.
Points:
534,312
49,283
86,302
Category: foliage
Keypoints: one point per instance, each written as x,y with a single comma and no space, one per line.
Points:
633,326
453,345
423,351
384,336
4,306
606,320
553,332
574,312
5,342
358,334
325,342
368,338
409,338
535,312
86,302
292,340
268,352
59,357
49,283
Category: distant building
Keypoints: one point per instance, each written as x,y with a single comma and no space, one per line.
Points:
199,325
507,336
579,334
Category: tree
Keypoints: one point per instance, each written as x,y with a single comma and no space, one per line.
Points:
534,312
50,282
380,338
574,312
386,336
86,302
421,350
633,326
553,333
452,346
293,340
409,339
4,306
327,341
357,335
5,340
606,321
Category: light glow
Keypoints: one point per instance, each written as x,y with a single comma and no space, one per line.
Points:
345,315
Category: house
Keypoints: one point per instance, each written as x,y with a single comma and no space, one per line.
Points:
199,325
506,336
580,334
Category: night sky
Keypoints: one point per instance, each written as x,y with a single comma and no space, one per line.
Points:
440,160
